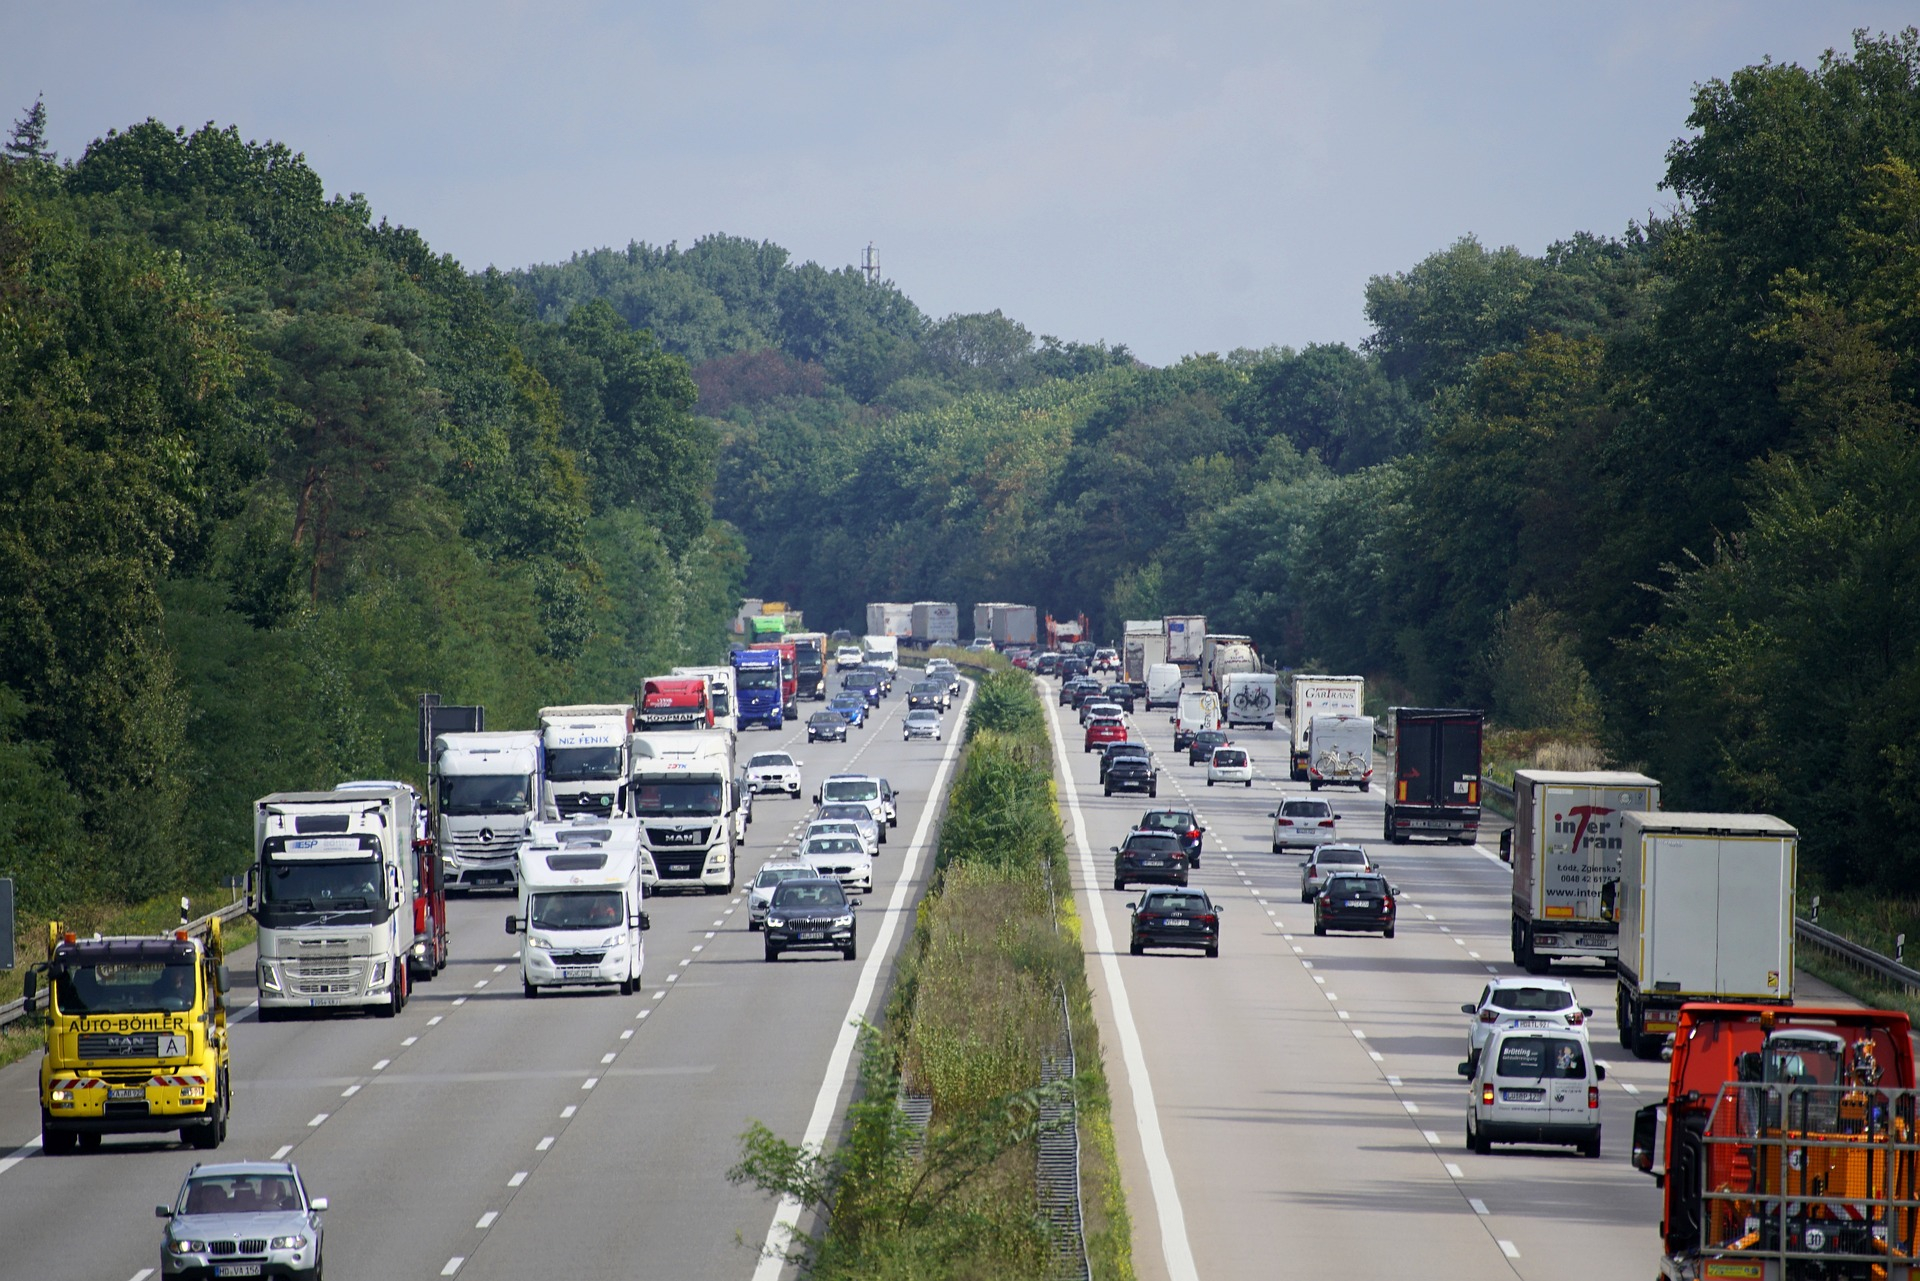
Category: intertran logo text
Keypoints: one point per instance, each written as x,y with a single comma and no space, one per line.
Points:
1575,823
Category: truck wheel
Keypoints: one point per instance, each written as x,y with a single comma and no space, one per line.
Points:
1620,1015
392,1005
56,1142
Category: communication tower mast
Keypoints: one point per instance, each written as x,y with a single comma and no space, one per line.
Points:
870,264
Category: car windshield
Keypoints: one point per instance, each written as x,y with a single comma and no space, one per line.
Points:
1536,999
1306,809
810,894
927,687
1175,903
826,718
574,910
853,813
132,985
1229,756
1344,857
582,764
836,828
768,760
924,717
1354,885
775,875
858,789
1559,1058
659,800
248,1193
484,794
860,680
1209,736
834,845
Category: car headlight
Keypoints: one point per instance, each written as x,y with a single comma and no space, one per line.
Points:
183,1246
288,1243
842,922
777,922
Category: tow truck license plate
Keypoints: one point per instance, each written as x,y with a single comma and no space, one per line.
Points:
236,1269
131,1094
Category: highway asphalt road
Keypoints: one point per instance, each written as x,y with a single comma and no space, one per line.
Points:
483,1135
1292,1109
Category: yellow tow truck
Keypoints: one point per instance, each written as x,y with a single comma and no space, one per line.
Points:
136,1038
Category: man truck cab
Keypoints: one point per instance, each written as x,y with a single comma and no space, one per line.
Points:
581,920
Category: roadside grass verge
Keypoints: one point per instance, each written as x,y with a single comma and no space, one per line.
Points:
975,1010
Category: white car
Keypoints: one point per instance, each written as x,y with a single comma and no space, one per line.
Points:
1330,860
838,827
843,857
872,830
867,790
771,873
1099,707
847,657
1229,765
1303,823
774,772
1534,1084
923,722
980,645
1538,1002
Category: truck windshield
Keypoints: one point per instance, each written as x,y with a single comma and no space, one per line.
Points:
654,800
582,764
574,910
125,987
759,678
484,794
722,705
856,790
313,885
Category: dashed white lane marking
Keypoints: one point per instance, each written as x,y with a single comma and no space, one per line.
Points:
319,1118
1509,1249
1453,1171
409,1040
280,1153
1343,1014
1413,1109
435,1020
483,983
453,1265
381,1066
499,969
671,978
686,961
1431,1137
350,1091
19,1154
660,992
1377,1056
590,1082
1393,1080
608,1058
519,1177
1629,1087
698,947
566,1113
1479,1206
461,1000
543,1144
486,1220
710,932
628,1034
1474,955
141,1275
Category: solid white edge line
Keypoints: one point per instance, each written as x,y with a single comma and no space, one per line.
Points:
1174,1245
786,1215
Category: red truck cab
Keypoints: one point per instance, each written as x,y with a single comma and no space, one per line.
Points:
674,702
1786,1145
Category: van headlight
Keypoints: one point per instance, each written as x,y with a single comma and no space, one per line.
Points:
538,944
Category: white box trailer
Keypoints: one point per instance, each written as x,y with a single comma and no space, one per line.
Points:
1143,644
934,621
1184,633
889,618
1565,846
1707,904
1312,696
1005,623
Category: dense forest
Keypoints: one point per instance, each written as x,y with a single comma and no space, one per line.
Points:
1660,488
274,468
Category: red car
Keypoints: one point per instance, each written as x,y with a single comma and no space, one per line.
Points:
1102,730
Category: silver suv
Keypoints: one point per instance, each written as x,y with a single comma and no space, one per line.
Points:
244,1218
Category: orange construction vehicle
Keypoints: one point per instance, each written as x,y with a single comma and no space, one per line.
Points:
1786,1147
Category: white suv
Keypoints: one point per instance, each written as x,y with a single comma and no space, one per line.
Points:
1505,1002
1534,1084
774,772
862,789
1303,823
1327,861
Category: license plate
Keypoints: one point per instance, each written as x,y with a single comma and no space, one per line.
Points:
1153,862
236,1269
1523,1096
1595,942
1177,924
578,971
1358,902
812,934
131,1094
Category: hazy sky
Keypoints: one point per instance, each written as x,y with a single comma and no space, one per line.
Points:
1178,177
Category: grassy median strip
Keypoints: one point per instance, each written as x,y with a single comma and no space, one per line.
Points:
975,1012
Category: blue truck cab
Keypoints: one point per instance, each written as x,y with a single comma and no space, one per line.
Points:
757,675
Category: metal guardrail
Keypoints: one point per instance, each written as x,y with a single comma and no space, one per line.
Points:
1852,954
1058,1160
17,1008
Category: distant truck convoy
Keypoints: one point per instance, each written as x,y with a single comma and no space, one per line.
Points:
1184,634
889,618
1250,698
1565,846
935,622
1436,774
1309,696
1143,645
1706,915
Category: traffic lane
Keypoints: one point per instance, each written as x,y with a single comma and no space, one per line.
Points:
641,1174
1255,1085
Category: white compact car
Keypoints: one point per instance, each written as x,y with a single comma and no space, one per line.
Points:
921,723
840,827
1534,1084
848,657
774,772
1328,861
1303,823
843,857
1537,1002
1229,765
771,873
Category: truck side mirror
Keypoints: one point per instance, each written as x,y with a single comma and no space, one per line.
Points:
253,887
646,922
223,978
1464,1069
30,989
513,924
1506,846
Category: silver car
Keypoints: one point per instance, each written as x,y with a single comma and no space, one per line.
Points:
858,814
243,1218
1331,860
921,723
1303,823
760,893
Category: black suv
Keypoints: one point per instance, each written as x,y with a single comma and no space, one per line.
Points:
1130,772
1129,747
1149,857
1183,823
809,913
1078,690
1175,918
1119,692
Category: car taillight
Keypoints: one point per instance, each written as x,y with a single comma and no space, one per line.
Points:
1575,1019
1209,920
1286,822
1486,1094
1326,822
1194,835
1593,1096
1489,1016
1387,906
